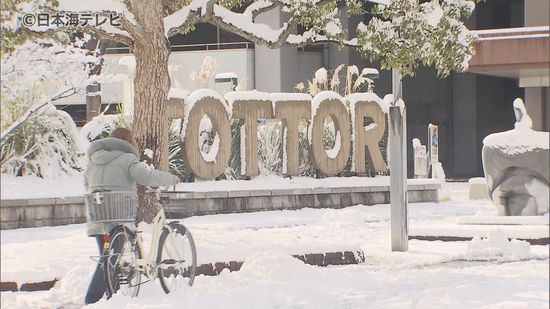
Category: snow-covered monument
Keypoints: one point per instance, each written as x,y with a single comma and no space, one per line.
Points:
516,165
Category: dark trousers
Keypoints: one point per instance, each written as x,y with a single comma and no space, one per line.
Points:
97,287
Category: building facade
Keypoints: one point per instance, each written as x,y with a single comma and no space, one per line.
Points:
512,60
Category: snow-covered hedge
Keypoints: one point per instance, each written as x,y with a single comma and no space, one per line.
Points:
37,139
46,145
175,156
270,147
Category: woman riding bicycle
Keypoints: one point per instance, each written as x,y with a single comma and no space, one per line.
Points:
114,166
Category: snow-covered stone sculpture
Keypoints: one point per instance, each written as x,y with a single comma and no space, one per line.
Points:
516,166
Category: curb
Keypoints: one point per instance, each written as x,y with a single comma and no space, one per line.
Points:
214,269
532,241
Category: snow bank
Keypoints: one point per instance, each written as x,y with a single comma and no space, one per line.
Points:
36,187
272,266
273,182
497,246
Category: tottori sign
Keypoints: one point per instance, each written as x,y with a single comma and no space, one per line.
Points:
349,116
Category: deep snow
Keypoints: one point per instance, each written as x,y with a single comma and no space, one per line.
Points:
483,273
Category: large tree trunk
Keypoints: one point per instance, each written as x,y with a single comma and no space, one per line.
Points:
152,83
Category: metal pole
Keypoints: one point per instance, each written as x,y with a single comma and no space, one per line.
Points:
398,169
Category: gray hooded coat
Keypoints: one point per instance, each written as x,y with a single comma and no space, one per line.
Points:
114,166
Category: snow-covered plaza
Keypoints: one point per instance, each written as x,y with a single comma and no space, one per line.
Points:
268,154
482,273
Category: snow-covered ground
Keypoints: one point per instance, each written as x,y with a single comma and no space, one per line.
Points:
18,187
483,273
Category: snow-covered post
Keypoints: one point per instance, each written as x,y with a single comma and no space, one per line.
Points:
403,34
398,167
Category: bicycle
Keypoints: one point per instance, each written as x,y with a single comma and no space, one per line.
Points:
172,255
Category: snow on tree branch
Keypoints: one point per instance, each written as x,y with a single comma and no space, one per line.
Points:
184,17
48,70
405,33
320,17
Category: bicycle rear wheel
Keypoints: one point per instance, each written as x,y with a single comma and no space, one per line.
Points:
177,258
119,265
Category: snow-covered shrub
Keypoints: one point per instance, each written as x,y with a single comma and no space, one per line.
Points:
38,73
233,171
46,145
353,81
206,135
37,139
270,147
175,155
205,74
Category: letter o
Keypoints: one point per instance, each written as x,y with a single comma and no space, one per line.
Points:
334,108
215,110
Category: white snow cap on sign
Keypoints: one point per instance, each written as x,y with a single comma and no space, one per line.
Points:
253,95
369,96
227,75
416,143
282,97
321,75
194,97
367,71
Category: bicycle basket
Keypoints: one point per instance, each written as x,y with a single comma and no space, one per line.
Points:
105,207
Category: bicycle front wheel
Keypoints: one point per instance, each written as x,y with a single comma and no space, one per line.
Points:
119,269
177,258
